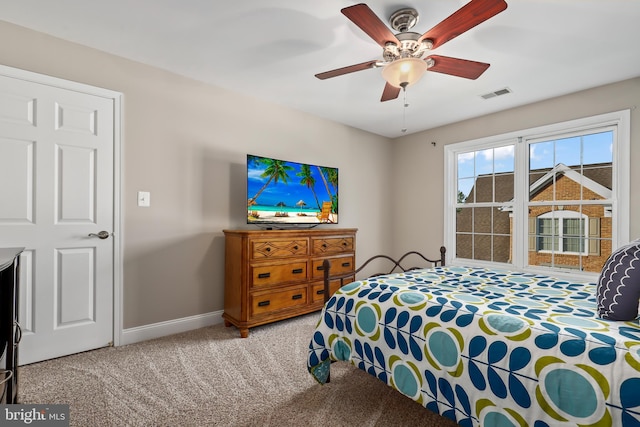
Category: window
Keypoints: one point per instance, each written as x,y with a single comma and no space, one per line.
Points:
561,232
554,197
484,199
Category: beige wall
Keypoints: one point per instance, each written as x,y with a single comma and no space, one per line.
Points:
186,143
419,166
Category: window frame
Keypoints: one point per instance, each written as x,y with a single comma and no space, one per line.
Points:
620,198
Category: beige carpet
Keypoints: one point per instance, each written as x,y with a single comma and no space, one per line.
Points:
210,377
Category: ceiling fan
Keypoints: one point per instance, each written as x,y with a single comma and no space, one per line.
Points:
402,53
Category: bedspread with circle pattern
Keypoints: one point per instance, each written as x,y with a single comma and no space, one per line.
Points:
486,347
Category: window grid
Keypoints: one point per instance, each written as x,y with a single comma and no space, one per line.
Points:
568,237
482,210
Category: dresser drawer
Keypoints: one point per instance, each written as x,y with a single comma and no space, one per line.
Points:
318,288
269,274
339,265
274,274
332,245
262,303
278,248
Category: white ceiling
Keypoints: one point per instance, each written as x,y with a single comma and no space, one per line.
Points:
271,50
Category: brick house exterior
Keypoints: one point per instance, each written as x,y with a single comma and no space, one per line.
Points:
484,233
594,183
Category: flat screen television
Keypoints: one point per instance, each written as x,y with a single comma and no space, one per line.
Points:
282,192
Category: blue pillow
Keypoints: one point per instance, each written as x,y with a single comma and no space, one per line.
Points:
618,287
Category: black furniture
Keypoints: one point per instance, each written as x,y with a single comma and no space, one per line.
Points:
10,332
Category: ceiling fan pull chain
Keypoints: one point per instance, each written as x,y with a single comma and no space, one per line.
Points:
404,110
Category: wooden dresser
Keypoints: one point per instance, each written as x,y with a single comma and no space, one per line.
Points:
272,275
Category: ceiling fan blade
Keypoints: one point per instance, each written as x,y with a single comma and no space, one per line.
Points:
346,70
363,17
465,18
457,67
390,92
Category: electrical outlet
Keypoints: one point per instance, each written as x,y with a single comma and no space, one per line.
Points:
144,199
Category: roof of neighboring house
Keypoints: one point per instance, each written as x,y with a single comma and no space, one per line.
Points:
596,177
587,178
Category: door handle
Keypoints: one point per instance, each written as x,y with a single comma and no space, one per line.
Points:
17,337
101,235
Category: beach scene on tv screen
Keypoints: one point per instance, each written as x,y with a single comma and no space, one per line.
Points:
280,191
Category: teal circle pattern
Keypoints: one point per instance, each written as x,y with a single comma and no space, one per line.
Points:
471,299
497,419
367,319
578,322
394,282
405,380
579,401
350,286
443,348
411,297
341,350
517,279
504,323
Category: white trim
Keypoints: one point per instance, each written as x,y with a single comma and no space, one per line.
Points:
622,156
450,200
30,76
118,221
116,97
170,327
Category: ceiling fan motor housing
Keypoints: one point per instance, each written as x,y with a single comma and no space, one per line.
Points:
410,47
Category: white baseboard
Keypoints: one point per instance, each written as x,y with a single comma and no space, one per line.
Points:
170,327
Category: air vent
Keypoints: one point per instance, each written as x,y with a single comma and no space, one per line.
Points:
498,92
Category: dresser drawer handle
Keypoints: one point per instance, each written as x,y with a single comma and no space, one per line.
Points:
346,264
264,303
264,275
297,296
344,244
319,268
320,292
297,270
268,249
324,245
295,247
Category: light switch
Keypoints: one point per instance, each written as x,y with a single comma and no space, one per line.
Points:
144,199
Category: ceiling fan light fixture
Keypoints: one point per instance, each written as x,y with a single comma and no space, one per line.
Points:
404,71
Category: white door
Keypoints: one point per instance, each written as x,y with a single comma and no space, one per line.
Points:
56,194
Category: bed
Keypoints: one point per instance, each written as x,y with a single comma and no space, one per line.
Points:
485,347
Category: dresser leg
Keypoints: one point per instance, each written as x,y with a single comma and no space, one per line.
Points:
244,332
227,323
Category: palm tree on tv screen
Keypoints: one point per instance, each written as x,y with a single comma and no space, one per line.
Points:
275,170
307,179
330,176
